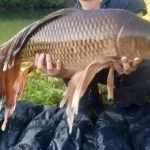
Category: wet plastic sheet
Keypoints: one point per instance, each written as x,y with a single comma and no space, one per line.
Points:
37,127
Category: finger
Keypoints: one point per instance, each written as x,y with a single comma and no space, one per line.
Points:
59,65
126,65
118,67
49,62
36,59
136,62
111,65
40,62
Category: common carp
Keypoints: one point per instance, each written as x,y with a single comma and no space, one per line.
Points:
86,41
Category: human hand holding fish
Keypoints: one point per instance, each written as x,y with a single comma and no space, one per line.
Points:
125,66
43,63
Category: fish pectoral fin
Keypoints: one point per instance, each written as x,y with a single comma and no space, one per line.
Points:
69,92
68,96
21,80
85,79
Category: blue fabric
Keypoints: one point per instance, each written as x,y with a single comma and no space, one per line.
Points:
134,6
38,127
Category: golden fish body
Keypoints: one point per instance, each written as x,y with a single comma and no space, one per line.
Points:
84,40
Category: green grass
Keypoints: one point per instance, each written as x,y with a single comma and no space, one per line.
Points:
12,22
10,27
43,90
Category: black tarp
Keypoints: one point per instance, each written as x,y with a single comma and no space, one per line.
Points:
38,127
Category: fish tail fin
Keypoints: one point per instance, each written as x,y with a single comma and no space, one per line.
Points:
7,93
78,85
12,88
21,80
2,85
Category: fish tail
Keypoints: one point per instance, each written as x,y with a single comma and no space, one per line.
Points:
7,93
2,85
12,85
21,80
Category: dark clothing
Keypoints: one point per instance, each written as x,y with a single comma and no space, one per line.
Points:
134,6
38,127
130,89
127,90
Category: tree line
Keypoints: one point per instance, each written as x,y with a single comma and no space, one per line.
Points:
34,4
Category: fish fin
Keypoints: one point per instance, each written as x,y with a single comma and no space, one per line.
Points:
110,84
85,79
7,94
21,80
11,89
59,13
79,83
2,85
68,96
69,92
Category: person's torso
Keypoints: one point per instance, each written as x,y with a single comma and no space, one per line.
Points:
134,6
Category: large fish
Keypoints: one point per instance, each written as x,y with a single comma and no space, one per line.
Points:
86,41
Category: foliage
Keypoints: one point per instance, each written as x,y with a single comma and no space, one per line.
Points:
42,89
11,22
11,4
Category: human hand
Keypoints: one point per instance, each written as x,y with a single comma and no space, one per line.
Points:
43,62
126,66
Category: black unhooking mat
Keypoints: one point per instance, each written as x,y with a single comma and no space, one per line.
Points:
37,127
